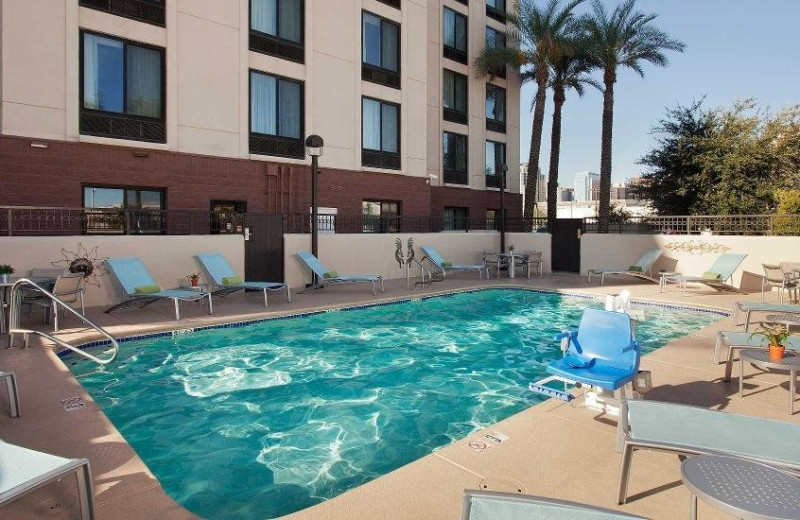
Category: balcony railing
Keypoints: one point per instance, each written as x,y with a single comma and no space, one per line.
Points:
301,223
148,11
788,225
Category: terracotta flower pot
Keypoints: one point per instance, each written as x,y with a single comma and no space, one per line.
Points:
194,282
776,351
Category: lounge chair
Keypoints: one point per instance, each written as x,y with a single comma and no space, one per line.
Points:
23,470
748,308
736,341
490,505
602,353
643,268
139,286
716,277
443,266
13,393
226,281
325,276
691,430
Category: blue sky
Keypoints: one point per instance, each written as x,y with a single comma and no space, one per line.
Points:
735,49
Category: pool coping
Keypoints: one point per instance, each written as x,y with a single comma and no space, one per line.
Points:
170,332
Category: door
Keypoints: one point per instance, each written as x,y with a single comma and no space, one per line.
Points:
566,244
263,250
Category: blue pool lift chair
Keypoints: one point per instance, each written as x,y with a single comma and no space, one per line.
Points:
221,273
602,354
138,287
490,505
325,276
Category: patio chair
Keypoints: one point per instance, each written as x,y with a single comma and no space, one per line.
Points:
325,276
602,353
643,268
748,308
690,430
23,471
491,505
716,277
227,282
138,285
13,393
736,341
530,259
443,266
775,276
68,288
493,260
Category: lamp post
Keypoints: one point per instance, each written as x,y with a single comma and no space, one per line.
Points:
314,144
503,171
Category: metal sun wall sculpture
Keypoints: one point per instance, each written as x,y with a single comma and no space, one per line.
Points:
82,260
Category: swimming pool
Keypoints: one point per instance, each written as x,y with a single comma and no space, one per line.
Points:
267,419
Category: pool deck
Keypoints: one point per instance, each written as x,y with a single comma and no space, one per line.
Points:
554,449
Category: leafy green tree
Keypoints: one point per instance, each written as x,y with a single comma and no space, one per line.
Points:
787,221
538,32
625,38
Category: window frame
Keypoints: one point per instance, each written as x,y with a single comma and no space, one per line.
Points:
501,73
381,223
274,45
296,145
497,14
496,179
452,176
453,114
453,53
456,225
124,10
107,214
496,125
380,74
380,158
123,116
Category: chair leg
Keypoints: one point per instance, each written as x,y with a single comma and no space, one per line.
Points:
210,304
266,303
177,309
86,492
624,473
83,305
288,294
13,393
55,317
382,288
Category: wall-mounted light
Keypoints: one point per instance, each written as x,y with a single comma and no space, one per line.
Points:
140,154
35,144
431,178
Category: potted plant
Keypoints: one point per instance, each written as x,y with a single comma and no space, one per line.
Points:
194,279
511,248
775,335
5,271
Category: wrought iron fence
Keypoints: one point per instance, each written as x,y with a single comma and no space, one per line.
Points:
786,225
301,223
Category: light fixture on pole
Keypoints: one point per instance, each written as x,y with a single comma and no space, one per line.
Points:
503,171
314,144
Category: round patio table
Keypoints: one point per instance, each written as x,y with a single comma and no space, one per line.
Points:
760,358
790,320
746,489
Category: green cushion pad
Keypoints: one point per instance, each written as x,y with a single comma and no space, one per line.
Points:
635,269
331,274
147,289
447,265
232,280
711,275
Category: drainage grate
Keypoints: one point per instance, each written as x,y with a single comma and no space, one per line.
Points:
71,404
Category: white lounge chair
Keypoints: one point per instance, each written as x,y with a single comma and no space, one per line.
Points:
643,268
489,505
23,471
736,341
748,308
13,393
327,277
691,430
443,266
226,281
717,276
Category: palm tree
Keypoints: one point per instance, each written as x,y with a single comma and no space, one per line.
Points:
538,31
569,71
622,38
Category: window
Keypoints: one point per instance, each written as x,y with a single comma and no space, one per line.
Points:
380,57
496,9
381,216
227,216
147,11
454,97
393,3
380,134
276,116
276,28
122,89
495,108
456,218
454,161
123,210
495,160
493,219
455,36
496,40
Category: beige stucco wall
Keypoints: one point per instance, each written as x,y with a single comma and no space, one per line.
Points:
168,258
365,253
620,251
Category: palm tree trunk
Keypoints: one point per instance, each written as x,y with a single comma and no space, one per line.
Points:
555,152
609,78
536,143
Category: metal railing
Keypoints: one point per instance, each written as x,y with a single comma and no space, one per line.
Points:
14,327
301,223
780,225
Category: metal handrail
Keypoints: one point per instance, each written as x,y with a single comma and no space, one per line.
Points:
422,271
14,328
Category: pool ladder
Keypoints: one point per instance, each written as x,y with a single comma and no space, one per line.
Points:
14,327
431,278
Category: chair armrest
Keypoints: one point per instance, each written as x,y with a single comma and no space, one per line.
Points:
565,337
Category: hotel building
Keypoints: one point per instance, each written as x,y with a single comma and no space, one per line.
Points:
205,104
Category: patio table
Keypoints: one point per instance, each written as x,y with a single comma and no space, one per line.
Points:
790,320
760,358
511,262
5,286
746,489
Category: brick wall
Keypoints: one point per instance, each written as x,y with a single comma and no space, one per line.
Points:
477,201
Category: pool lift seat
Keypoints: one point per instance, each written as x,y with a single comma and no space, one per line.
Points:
602,355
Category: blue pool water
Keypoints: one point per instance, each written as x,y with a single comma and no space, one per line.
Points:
268,419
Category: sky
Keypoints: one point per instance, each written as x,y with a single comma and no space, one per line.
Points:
735,49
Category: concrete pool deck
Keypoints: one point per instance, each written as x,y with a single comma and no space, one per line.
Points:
553,449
